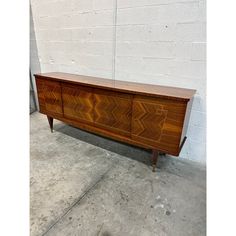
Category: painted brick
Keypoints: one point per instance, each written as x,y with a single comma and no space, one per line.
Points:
164,32
191,32
62,7
93,61
194,69
202,10
103,4
179,12
156,66
89,19
102,33
143,49
95,72
82,5
80,20
146,32
103,18
45,9
140,78
183,50
198,51
159,14
93,34
158,42
144,15
92,48
135,65
60,35
63,46
131,33
136,3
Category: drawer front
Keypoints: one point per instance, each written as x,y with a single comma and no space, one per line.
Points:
49,95
158,122
77,102
112,111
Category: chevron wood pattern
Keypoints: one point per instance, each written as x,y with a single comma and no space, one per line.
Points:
153,117
158,122
113,111
78,102
148,120
50,96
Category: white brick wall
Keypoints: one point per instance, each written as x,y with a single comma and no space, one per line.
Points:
164,42
74,35
158,42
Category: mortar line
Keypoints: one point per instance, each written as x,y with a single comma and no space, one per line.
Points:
79,199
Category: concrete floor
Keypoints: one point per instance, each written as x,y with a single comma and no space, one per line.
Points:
83,184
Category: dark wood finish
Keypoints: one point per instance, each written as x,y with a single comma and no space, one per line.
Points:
50,121
150,116
40,90
103,132
49,94
155,156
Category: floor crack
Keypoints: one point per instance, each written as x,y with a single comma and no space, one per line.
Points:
79,199
99,231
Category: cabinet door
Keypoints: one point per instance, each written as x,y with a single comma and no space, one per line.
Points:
158,122
77,102
112,111
49,94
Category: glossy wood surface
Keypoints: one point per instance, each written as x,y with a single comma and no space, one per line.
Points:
112,111
122,86
50,96
156,122
78,103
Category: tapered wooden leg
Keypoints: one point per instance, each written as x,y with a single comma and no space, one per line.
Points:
50,121
154,159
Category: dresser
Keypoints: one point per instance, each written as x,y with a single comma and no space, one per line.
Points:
149,116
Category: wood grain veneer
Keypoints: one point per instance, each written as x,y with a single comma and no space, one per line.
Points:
149,116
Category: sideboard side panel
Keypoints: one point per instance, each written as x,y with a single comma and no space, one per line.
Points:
187,118
40,92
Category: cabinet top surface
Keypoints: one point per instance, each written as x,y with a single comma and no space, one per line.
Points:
122,86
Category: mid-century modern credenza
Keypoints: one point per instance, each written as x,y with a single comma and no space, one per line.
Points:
149,116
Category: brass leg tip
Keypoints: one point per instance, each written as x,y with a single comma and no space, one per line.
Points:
153,168
51,130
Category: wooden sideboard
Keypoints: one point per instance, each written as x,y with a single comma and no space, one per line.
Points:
149,116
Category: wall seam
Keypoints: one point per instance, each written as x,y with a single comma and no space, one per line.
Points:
114,40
